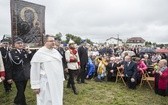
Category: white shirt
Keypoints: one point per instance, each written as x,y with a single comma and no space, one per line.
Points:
72,65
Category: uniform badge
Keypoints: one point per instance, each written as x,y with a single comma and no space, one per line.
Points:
25,55
17,57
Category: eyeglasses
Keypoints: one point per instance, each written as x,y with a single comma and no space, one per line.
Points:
51,41
5,43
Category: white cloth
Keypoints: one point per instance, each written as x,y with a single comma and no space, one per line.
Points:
47,75
1,64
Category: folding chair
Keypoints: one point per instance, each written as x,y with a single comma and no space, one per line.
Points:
120,75
147,78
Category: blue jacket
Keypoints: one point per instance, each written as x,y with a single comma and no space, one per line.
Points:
90,67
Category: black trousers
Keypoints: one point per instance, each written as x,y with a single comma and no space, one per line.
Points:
111,77
139,76
163,92
131,85
20,96
82,74
72,75
156,82
7,86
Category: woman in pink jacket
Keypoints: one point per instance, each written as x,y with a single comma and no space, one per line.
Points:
141,68
161,78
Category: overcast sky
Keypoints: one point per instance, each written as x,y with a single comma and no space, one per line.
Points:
100,19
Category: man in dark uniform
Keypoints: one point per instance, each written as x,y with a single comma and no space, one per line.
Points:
4,51
18,70
83,56
62,52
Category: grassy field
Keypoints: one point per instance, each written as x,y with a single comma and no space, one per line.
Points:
96,93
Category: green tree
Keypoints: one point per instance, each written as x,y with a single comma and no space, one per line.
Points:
148,43
89,41
76,39
154,44
58,36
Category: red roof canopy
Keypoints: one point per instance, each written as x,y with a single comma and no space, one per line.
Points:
162,50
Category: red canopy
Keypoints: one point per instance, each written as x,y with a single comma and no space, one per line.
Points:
161,50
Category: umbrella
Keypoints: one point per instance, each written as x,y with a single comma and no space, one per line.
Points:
162,50
130,53
147,50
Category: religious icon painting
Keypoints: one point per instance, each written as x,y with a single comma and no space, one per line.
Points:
28,22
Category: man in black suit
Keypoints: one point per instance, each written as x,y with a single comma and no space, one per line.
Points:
62,52
130,71
83,56
18,70
111,70
4,51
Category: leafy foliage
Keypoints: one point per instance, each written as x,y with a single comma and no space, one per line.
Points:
76,39
58,36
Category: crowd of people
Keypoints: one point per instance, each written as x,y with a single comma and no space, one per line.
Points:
108,60
48,66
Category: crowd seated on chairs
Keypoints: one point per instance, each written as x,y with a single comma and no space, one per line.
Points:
131,71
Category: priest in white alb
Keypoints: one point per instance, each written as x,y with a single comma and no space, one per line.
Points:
46,76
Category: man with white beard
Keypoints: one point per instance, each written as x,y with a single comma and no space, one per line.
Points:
47,74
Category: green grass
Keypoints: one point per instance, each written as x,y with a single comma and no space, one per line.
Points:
96,93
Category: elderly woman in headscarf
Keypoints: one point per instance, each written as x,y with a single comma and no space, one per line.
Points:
161,78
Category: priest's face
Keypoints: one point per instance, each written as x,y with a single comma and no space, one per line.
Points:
50,42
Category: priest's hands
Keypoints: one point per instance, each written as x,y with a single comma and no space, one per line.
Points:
36,91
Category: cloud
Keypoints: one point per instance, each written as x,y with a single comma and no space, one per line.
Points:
101,19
